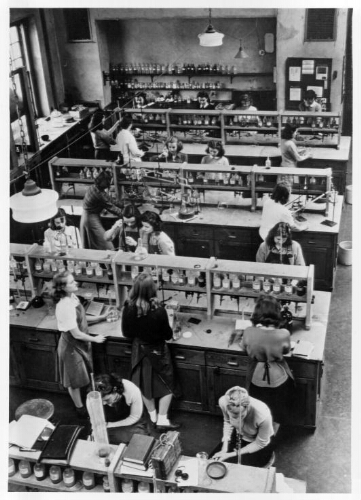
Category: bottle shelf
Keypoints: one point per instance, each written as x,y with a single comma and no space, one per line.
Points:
77,277
248,292
47,485
251,128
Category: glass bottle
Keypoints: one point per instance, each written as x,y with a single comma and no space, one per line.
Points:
182,278
140,252
175,277
89,270
77,269
55,474
46,266
143,487
202,280
256,285
106,486
39,471
25,468
63,243
191,278
54,267
88,480
288,287
38,265
12,467
225,282
69,477
268,162
277,286
216,281
165,276
266,286
236,282
134,272
98,271
127,486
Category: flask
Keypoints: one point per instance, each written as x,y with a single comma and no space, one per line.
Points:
55,474
69,477
268,162
88,480
39,471
140,252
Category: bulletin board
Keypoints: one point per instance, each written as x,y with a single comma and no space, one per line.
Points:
304,74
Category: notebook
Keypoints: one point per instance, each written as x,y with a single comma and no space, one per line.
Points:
303,348
94,308
138,451
26,431
61,444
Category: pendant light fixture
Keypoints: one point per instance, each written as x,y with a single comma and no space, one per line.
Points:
210,37
34,204
241,54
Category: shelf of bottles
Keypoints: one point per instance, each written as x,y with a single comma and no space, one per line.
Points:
86,265
221,277
248,279
170,273
306,182
19,268
315,129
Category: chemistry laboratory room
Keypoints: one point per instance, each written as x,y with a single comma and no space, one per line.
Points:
180,258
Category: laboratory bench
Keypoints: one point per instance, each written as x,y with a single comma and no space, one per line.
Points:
207,354
233,233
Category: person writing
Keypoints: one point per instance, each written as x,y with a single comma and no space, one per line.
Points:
102,139
279,248
309,103
146,322
275,210
269,377
126,143
96,200
289,151
60,234
74,347
172,152
247,424
127,230
154,239
123,407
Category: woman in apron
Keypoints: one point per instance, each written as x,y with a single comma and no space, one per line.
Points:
269,377
123,407
74,348
153,238
278,248
146,322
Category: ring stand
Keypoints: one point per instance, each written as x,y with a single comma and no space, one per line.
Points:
332,222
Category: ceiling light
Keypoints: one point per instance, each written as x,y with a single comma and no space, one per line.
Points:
34,204
241,54
210,37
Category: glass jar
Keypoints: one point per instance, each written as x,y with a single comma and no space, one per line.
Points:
39,471
55,474
106,486
256,285
89,271
289,288
266,286
127,486
277,286
77,269
143,487
12,467
191,278
88,480
225,282
236,284
134,272
165,276
69,477
182,278
38,265
216,281
98,271
25,468
175,277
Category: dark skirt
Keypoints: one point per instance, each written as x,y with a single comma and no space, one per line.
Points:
124,434
148,380
92,232
278,399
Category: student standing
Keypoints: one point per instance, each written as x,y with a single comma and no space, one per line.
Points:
127,145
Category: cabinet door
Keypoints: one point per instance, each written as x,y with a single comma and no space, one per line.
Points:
14,375
303,410
118,359
219,380
38,365
235,244
192,381
189,247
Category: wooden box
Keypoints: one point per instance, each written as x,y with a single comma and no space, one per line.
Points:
166,453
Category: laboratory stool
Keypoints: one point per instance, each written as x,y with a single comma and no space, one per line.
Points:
270,462
41,408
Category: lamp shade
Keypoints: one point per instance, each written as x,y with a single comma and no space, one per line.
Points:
210,38
241,54
34,204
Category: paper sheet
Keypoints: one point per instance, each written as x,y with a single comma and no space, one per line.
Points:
295,94
26,430
294,74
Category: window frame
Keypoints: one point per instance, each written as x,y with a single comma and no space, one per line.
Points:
310,40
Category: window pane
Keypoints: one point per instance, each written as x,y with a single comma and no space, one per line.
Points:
15,48
15,126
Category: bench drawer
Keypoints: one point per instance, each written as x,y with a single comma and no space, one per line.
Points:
231,361
190,356
34,336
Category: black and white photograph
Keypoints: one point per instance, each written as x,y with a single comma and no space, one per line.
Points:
180,240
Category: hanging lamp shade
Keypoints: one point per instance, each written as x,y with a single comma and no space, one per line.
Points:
210,37
34,204
241,54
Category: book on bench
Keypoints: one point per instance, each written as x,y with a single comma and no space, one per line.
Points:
61,444
138,451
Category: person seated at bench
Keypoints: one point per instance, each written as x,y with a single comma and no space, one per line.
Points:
59,233
171,152
247,423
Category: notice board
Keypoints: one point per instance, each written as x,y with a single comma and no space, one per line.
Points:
306,73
